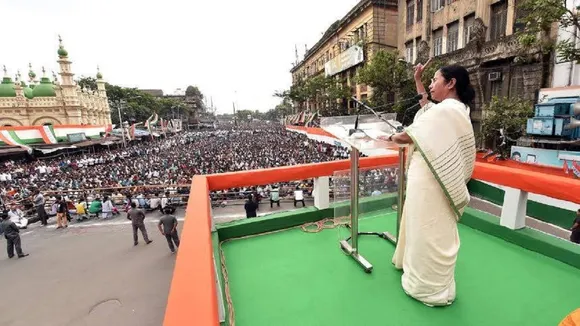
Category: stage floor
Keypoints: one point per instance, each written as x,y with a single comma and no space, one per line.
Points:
297,278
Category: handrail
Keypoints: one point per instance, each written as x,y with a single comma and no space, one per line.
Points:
293,172
193,297
534,182
193,294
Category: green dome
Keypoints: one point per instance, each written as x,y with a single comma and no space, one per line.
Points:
99,75
44,89
62,52
28,93
7,88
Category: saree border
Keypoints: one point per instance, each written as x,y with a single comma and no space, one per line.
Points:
455,209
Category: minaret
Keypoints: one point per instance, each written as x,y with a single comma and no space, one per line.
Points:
101,84
66,76
104,102
17,85
31,76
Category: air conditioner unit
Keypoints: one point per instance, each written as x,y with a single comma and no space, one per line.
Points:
493,76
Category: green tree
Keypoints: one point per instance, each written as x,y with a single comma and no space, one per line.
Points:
389,77
88,83
508,116
539,17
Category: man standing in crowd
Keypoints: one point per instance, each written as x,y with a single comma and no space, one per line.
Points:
12,235
251,206
169,230
274,197
16,216
298,196
39,204
575,235
137,217
61,212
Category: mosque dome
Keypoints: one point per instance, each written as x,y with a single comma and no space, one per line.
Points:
7,88
62,53
27,91
44,89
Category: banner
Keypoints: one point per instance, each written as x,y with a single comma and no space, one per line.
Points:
349,58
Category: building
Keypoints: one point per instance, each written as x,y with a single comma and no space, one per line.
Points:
480,35
54,102
347,44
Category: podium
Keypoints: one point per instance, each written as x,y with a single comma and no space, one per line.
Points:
361,134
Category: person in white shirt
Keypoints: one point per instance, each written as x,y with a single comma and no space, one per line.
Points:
154,202
15,215
299,196
107,208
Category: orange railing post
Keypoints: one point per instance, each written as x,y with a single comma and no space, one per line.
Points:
193,295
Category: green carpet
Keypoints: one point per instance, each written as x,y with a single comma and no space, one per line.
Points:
297,278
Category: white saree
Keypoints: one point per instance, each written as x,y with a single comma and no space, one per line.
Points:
440,162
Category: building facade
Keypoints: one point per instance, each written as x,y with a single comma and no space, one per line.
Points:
347,44
54,102
481,36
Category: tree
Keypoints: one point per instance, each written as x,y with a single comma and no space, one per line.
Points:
138,106
392,80
88,83
507,115
539,17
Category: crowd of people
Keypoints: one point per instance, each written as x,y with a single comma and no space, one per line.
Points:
168,162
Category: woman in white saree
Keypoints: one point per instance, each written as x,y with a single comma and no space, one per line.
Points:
441,158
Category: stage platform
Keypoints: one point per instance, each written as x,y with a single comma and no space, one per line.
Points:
293,278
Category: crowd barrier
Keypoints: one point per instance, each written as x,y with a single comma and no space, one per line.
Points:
193,294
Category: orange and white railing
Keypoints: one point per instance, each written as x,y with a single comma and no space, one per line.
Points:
193,297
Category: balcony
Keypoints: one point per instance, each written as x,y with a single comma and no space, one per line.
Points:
275,270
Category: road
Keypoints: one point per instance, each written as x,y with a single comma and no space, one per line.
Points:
89,274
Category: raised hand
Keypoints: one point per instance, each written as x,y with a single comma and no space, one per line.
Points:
419,68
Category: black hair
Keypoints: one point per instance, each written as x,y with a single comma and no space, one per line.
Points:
133,205
463,87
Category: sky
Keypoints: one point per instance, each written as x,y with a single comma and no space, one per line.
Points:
234,51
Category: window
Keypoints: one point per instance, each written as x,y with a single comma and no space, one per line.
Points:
437,5
410,13
452,36
498,20
467,26
519,14
409,52
419,10
438,42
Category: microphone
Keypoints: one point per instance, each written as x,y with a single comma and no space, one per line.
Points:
352,131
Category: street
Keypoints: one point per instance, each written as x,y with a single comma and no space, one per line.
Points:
88,274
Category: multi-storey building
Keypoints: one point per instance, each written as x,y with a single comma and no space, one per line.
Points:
480,35
347,44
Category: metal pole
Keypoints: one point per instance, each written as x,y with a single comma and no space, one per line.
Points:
121,123
354,198
402,185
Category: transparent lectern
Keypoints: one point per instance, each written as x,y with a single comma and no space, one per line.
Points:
362,134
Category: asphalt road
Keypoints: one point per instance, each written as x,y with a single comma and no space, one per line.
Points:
89,274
